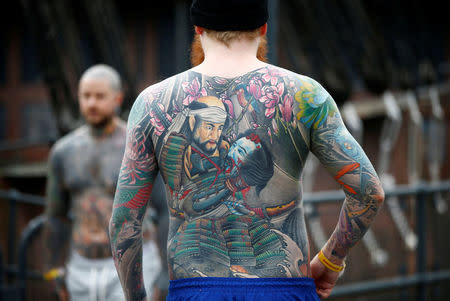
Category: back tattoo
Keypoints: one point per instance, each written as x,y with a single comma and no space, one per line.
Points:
231,152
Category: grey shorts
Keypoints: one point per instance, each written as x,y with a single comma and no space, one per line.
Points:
97,279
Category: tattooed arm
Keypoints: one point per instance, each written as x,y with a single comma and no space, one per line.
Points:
57,226
346,161
133,192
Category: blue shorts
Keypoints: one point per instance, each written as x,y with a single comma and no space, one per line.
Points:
242,289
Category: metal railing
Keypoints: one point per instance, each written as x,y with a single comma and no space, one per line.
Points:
14,198
423,191
1,275
16,290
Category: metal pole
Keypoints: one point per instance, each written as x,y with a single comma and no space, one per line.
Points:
376,286
436,151
272,32
29,233
182,33
1,275
12,226
23,198
421,255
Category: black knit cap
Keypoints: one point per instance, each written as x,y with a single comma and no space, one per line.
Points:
229,15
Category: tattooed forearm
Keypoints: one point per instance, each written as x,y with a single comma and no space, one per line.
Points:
57,226
133,192
347,163
364,195
57,237
126,242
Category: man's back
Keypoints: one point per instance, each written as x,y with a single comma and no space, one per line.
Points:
231,147
231,152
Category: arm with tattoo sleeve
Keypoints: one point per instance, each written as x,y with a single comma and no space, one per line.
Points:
134,188
346,161
57,226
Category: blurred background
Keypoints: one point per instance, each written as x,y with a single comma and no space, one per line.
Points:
386,63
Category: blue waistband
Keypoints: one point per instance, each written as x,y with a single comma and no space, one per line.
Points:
240,283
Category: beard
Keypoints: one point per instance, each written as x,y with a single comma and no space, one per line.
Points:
198,56
100,124
203,146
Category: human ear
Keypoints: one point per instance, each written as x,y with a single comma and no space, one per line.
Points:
119,98
263,29
199,30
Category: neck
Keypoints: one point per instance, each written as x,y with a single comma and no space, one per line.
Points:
103,130
229,61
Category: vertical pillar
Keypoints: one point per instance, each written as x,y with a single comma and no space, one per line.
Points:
272,31
182,36
421,256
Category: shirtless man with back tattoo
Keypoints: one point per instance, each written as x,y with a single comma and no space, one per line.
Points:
230,137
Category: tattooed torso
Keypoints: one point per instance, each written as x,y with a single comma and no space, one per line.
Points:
231,152
87,171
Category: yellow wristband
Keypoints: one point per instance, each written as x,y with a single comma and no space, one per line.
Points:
53,274
328,264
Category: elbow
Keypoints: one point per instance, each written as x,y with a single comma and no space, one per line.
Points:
378,196
113,231
110,228
373,196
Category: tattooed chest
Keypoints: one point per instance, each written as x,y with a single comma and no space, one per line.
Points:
92,212
92,169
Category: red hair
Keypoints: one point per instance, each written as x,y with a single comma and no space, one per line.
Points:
226,37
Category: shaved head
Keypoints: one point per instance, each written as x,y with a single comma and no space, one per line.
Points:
103,72
100,95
